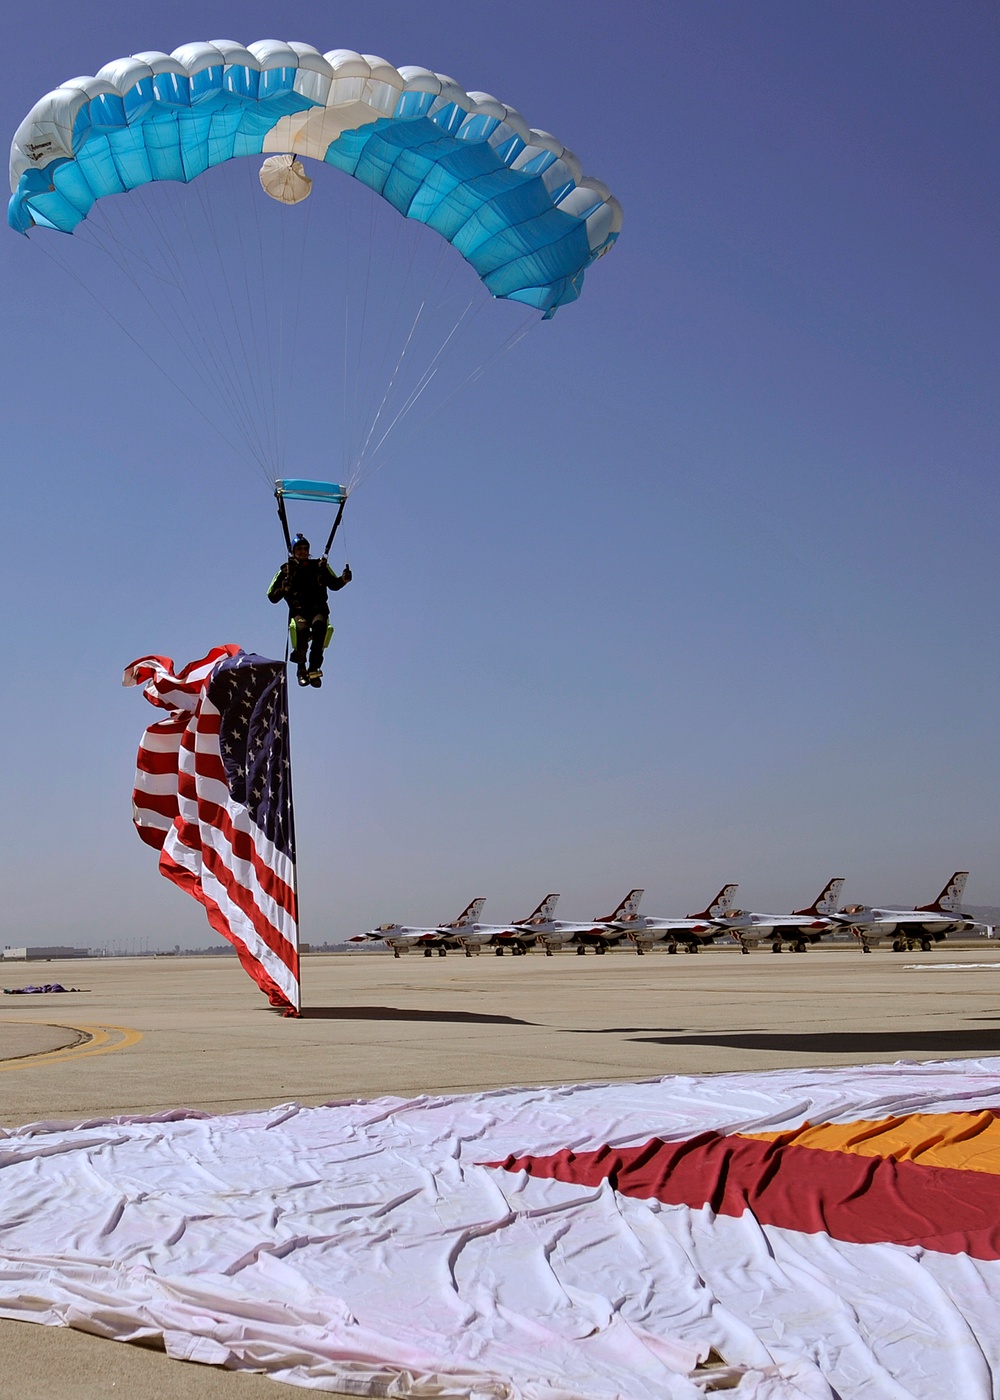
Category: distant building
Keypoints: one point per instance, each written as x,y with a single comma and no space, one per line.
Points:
43,954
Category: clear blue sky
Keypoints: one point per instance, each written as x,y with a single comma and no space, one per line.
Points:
699,584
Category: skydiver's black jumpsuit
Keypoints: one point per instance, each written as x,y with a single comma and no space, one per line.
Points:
304,588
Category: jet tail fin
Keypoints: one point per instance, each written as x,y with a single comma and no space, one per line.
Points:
949,901
826,902
545,911
469,914
720,905
628,909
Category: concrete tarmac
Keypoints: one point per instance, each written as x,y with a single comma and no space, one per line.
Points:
148,1034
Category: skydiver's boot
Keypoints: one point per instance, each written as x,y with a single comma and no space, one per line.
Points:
299,642
320,633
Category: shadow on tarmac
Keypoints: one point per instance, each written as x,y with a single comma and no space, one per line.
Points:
846,1042
393,1013
620,1030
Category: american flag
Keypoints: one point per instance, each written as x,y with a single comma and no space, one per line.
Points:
213,793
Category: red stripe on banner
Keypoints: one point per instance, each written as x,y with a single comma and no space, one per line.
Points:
169,726
242,845
149,761
152,835
860,1200
164,804
192,886
210,765
205,765
245,902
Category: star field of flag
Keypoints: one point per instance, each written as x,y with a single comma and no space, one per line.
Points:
251,696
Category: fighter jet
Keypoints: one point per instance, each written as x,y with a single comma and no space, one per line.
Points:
799,928
401,937
911,928
691,932
601,934
553,934
474,937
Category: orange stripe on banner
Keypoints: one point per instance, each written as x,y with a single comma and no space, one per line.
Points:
966,1141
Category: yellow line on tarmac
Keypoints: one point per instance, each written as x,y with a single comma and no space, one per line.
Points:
100,1040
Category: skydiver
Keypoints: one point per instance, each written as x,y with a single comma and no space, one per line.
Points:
304,583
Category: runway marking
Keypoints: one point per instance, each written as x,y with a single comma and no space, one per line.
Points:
100,1040
945,967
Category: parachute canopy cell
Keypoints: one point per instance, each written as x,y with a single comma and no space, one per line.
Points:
512,200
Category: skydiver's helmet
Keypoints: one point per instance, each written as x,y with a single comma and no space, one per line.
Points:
298,542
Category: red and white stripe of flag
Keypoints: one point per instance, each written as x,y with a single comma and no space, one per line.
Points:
209,845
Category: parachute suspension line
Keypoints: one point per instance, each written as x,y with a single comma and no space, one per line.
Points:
366,418
137,343
213,368
113,247
250,301
263,345
128,255
124,258
286,359
350,417
379,376
221,368
231,328
122,262
357,418
284,523
345,448
514,338
392,380
272,341
336,527
417,390
239,326
376,374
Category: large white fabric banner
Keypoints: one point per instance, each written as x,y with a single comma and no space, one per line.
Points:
816,1233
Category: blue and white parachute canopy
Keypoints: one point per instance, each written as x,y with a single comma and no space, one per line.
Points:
513,201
